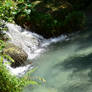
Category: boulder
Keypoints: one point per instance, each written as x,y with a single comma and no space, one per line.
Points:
16,53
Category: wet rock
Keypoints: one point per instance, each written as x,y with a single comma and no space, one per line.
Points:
16,53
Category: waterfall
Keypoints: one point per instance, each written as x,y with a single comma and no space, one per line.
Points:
32,43
24,39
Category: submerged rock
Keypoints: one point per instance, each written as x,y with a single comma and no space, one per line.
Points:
16,53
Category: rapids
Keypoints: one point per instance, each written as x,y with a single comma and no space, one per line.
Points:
64,62
66,66
33,44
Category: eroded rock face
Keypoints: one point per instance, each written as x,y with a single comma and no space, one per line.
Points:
18,54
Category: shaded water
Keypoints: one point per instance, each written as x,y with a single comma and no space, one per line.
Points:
66,66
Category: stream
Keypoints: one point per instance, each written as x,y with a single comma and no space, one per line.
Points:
66,66
64,62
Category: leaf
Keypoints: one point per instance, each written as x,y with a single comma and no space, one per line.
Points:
1,59
31,82
27,11
9,58
29,5
7,63
31,71
14,13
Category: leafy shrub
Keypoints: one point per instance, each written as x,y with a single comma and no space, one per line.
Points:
49,24
10,8
52,23
2,45
22,14
7,7
9,83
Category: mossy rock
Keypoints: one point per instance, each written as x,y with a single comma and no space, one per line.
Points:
16,53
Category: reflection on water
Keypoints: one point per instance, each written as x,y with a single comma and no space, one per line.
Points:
66,66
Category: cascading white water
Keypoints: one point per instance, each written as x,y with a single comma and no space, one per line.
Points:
32,43
24,39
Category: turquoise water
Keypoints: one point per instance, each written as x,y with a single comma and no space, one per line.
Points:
66,66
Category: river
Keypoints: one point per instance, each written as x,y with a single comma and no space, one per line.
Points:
65,63
66,66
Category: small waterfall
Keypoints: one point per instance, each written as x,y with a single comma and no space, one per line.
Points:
32,43
24,39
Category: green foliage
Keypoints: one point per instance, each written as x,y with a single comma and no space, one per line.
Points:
24,8
2,45
7,7
9,83
46,18
49,20
23,12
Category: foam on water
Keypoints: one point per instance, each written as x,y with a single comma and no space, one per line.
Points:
19,71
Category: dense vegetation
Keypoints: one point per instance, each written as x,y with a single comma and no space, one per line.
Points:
9,83
49,18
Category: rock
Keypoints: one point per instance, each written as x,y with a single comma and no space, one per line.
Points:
16,53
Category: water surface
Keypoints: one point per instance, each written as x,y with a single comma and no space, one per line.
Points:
66,66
